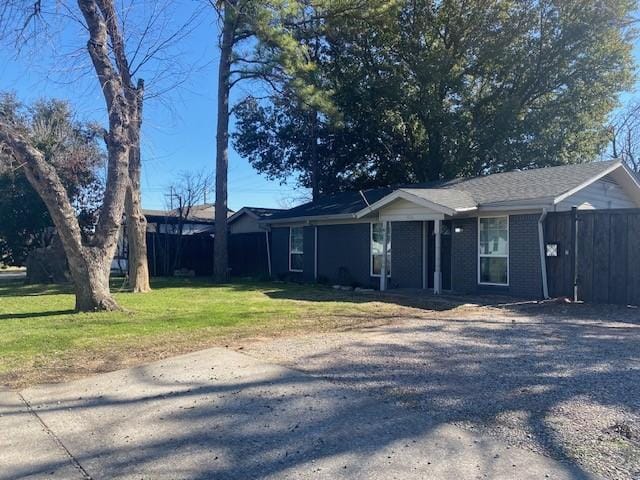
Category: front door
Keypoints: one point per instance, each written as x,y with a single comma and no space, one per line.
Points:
445,252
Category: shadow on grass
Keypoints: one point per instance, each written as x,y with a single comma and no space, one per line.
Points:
50,313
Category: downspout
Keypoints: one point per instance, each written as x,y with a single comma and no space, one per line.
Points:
266,236
543,257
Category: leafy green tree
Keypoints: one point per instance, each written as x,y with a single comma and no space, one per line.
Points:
72,148
433,90
256,44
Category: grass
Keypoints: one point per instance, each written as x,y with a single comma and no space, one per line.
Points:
42,340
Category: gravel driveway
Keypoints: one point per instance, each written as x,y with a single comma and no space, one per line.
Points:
560,380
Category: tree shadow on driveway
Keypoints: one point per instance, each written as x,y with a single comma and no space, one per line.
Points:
219,414
560,385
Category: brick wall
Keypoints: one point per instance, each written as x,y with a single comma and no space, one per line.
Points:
525,278
464,256
345,248
309,253
406,261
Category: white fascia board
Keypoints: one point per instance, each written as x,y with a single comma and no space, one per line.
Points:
409,197
411,217
592,180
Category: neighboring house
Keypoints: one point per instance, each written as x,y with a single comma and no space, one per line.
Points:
479,235
248,219
199,221
249,241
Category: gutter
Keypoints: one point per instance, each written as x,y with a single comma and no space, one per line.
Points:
543,257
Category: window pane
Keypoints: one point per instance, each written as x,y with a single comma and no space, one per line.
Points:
297,260
377,239
377,264
297,240
493,270
493,236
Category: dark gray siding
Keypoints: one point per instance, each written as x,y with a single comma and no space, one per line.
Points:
280,255
406,262
309,241
464,256
525,278
344,248
279,251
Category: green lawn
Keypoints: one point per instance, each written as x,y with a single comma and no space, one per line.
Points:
43,340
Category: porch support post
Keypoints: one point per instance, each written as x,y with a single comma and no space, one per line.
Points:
383,267
425,280
437,274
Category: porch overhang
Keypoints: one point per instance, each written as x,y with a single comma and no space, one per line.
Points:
432,209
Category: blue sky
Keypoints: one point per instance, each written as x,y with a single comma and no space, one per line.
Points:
179,126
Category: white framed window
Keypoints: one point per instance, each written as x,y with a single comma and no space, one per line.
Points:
296,249
493,250
377,240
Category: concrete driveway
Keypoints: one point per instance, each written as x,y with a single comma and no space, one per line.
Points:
221,414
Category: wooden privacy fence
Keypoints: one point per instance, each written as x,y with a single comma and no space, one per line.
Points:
247,254
606,263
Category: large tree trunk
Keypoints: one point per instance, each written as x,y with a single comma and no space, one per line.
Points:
136,222
221,254
89,266
138,264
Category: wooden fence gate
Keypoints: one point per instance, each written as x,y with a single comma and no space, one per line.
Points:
606,264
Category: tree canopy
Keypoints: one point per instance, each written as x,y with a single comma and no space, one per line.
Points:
73,149
430,90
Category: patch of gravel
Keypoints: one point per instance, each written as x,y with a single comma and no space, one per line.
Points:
560,380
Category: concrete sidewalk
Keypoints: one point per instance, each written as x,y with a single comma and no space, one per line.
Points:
224,415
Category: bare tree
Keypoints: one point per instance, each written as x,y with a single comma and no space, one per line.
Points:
115,64
89,261
190,190
625,137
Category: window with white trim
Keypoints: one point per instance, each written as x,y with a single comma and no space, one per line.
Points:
296,249
377,240
493,250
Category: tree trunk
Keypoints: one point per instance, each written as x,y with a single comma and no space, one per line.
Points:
137,241
90,268
315,161
136,222
221,254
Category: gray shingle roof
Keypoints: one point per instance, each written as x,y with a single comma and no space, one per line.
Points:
447,197
336,204
528,184
521,185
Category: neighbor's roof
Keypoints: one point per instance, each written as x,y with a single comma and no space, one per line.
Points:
257,213
204,213
462,194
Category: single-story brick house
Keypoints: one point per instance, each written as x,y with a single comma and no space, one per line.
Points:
478,235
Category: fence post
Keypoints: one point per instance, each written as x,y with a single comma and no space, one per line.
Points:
574,244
